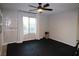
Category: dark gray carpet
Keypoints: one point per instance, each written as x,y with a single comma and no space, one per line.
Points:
40,48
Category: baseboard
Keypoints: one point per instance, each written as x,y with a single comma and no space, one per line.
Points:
63,42
6,43
19,41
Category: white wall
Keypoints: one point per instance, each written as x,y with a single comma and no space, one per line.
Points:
63,27
43,24
14,31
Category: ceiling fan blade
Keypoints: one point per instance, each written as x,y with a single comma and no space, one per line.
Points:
48,9
32,6
40,4
32,10
27,12
46,5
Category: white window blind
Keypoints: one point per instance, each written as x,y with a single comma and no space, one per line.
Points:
29,25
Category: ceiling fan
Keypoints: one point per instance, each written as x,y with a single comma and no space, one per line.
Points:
40,8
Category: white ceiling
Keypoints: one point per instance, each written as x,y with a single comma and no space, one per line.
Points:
57,7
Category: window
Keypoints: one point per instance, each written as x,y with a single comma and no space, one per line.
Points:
29,25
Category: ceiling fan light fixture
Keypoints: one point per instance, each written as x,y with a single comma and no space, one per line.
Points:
40,10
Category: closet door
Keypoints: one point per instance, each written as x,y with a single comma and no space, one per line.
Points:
10,27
